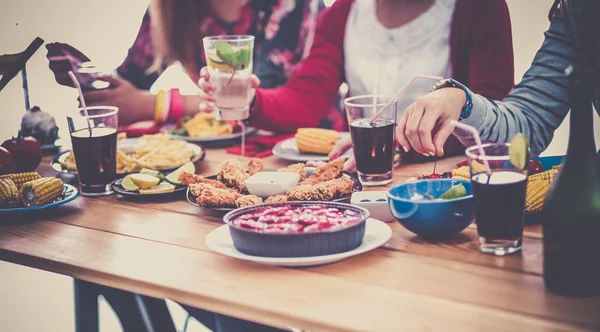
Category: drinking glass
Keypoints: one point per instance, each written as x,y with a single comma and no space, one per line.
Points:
94,140
499,199
374,143
229,62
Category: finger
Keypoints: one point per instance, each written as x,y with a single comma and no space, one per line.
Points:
313,163
400,130
98,95
206,107
428,121
114,81
205,74
412,128
207,87
254,81
441,136
340,148
350,165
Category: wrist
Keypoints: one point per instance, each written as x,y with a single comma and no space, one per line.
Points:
465,97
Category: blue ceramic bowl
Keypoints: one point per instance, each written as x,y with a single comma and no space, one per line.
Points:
431,219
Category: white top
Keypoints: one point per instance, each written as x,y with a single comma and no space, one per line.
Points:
382,59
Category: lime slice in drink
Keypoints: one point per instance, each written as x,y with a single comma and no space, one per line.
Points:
518,151
455,192
128,184
174,176
152,172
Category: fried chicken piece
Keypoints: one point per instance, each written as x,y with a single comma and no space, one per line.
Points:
310,193
207,195
248,200
188,179
276,199
326,172
295,168
255,165
340,187
233,175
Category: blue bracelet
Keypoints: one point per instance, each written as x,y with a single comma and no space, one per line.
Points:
452,83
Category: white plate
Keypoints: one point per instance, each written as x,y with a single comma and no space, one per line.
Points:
216,140
377,233
288,150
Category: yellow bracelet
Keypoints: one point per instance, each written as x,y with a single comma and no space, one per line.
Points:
158,107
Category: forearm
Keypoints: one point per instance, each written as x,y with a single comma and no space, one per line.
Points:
191,104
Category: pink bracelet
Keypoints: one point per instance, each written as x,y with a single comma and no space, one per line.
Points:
176,106
166,108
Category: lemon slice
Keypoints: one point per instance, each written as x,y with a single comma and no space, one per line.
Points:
518,151
218,65
457,191
160,189
174,176
128,184
152,172
144,181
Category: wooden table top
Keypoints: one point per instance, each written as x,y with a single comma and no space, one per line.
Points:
157,249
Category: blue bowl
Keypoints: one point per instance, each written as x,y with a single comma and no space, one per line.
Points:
431,219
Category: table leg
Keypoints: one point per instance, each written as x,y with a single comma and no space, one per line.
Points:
86,306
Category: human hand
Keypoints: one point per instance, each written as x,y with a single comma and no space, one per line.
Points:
425,125
208,88
338,150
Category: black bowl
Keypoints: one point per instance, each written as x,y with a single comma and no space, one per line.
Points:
327,242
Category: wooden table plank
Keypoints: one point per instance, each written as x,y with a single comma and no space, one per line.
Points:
269,295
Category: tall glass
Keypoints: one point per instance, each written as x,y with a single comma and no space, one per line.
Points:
374,143
499,199
229,61
95,151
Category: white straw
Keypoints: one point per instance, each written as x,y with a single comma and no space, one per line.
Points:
85,112
378,114
475,134
375,89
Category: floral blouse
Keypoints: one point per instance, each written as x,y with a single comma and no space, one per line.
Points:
283,33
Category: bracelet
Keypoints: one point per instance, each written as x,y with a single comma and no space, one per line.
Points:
166,108
158,107
452,83
175,106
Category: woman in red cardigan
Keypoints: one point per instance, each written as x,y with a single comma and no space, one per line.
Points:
385,43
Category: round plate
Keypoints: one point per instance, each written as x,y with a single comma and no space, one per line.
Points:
118,188
288,150
216,141
69,194
377,233
55,163
356,187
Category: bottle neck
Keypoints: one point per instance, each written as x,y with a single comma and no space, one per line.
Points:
581,132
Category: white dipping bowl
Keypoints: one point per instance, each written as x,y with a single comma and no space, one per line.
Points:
266,184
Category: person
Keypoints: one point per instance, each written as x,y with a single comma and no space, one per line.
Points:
385,43
535,107
172,31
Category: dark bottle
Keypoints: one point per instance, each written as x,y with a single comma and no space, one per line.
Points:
572,208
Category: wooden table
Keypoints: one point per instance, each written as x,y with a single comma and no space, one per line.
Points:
157,249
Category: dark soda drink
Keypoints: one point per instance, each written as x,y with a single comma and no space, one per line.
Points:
499,210
95,156
373,145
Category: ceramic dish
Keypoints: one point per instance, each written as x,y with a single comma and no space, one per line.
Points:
216,141
69,194
288,150
118,188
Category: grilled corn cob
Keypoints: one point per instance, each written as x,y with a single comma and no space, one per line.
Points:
536,194
477,167
41,191
547,175
20,178
316,140
9,194
461,173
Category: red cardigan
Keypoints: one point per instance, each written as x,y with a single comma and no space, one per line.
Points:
481,53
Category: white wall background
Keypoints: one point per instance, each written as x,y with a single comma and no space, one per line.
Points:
104,30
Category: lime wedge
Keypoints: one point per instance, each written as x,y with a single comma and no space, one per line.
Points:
173,177
152,172
128,184
518,151
457,191
161,188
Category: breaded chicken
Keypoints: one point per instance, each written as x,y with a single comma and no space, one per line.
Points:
310,193
276,199
295,168
340,187
233,175
326,172
188,179
248,200
207,195
255,165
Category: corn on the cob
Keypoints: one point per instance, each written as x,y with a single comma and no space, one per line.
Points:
9,194
547,175
477,167
461,173
316,140
536,194
20,178
41,191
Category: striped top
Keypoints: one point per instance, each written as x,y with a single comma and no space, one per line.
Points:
538,105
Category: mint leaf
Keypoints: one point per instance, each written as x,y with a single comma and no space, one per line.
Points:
243,57
225,52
